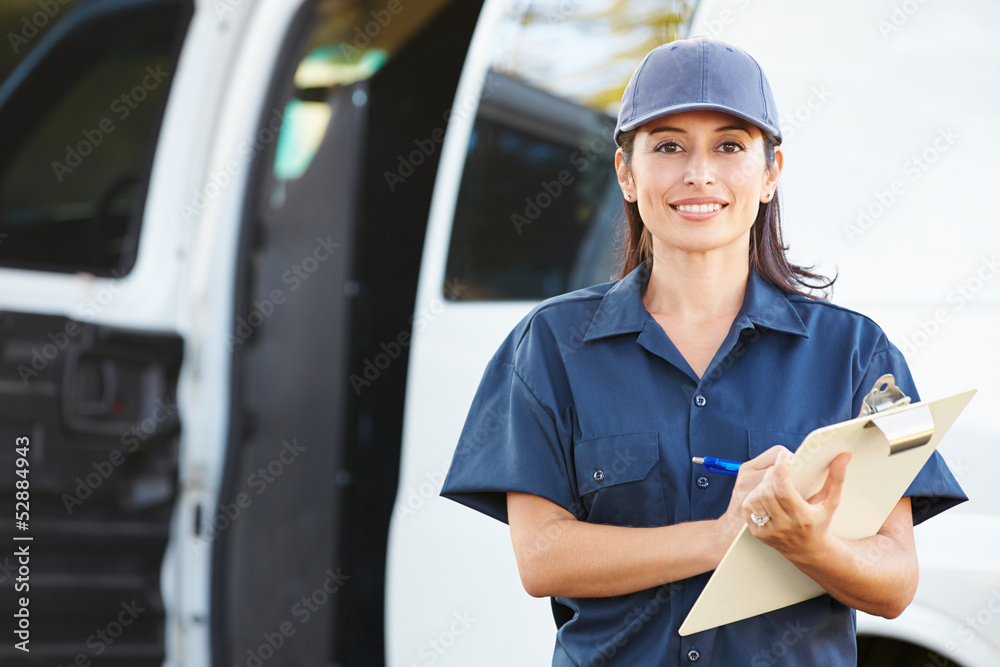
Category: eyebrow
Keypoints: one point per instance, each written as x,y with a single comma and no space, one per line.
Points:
665,128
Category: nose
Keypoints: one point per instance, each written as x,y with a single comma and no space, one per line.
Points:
700,171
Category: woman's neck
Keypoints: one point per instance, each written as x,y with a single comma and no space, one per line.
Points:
697,286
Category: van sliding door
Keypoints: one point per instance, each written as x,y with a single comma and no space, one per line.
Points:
332,239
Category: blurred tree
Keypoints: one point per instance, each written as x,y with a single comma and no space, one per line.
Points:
586,49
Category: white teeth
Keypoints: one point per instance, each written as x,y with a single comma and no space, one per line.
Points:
699,208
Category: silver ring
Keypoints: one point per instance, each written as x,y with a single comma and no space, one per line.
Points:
759,519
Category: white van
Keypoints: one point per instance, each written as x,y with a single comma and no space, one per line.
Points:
255,254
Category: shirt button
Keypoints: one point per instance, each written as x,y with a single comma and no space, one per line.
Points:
700,401
599,476
693,655
702,482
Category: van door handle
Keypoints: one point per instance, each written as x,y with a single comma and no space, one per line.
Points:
103,407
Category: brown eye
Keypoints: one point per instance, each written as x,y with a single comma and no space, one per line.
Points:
667,147
732,147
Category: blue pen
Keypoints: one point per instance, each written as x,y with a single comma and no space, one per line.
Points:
713,464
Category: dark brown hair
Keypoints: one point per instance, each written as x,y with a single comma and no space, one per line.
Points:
767,251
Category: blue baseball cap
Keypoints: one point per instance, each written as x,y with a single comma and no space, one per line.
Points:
698,73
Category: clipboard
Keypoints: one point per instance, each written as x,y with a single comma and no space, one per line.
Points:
889,443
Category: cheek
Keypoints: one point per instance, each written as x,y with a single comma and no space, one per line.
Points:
747,178
652,182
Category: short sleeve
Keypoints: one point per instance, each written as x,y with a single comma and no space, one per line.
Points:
510,443
935,488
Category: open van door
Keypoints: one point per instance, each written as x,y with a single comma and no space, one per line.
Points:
89,424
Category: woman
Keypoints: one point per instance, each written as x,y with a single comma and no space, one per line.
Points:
583,429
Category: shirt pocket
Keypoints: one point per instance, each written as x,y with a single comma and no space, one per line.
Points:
761,440
618,479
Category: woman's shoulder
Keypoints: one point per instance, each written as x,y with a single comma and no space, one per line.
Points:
825,318
556,321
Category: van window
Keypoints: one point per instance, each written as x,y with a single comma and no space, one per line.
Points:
80,110
539,206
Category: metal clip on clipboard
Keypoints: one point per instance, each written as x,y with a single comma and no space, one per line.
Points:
903,429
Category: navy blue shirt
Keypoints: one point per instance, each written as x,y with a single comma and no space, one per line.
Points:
588,403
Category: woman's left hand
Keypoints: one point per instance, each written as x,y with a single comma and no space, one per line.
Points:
795,526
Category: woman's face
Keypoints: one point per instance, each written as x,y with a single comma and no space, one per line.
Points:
698,178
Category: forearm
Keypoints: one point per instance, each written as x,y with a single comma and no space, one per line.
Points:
558,555
877,575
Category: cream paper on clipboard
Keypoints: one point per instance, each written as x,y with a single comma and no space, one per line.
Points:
753,578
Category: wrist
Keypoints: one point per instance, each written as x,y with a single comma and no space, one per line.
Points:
722,532
815,553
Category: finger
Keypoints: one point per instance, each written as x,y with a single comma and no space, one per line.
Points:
767,459
786,496
752,520
762,502
751,508
760,477
835,479
754,505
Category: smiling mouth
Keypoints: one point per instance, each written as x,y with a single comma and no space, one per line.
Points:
699,208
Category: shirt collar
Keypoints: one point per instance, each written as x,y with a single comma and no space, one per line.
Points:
622,311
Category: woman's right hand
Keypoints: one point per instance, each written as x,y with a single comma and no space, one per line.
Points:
750,475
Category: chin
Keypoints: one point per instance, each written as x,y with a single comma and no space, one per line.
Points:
702,243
